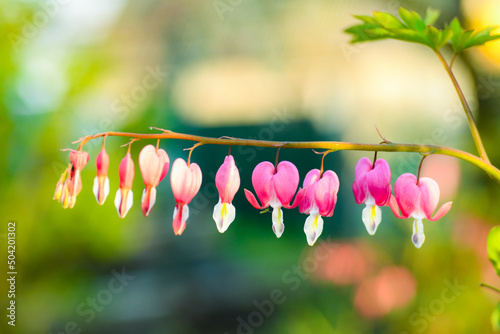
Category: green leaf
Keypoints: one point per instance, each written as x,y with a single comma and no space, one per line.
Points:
388,21
495,318
481,37
412,28
493,244
431,16
412,19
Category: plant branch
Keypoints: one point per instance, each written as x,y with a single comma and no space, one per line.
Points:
468,112
489,287
326,145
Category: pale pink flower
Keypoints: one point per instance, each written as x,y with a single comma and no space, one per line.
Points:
101,181
417,199
227,181
124,196
186,182
319,201
153,164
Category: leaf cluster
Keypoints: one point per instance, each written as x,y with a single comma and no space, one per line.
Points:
413,28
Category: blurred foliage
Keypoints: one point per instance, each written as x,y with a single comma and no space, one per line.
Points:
414,28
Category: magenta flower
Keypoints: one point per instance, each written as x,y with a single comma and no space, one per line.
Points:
153,164
275,187
227,181
372,186
417,199
319,201
186,182
101,181
124,196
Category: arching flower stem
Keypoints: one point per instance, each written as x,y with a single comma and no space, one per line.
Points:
328,145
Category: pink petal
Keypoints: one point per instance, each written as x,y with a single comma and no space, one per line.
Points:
102,163
148,200
251,198
325,193
308,200
185,180
429,195
298,199
441,211
262,181
227,180
152,165
181,214
285,182
379,182
393,203
163,155
79,159
359,186
126,172
407,194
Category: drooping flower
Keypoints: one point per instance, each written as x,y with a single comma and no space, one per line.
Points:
186,182
61,184
227,181
73,184
275,187
154,165
124,196
417,199
372,186
319,201
101,181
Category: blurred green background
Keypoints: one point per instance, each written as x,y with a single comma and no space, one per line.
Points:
271,70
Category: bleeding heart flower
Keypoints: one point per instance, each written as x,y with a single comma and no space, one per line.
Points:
227,181
101,181
372,186
186,182
319,200
275,187
124,196
154,165
417,199
73,184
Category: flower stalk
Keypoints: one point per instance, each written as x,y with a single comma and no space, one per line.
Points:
483,164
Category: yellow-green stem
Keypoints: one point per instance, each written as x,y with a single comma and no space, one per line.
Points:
327,145
468,112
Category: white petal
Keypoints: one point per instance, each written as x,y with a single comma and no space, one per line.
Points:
313,228
185,213
418,236
96,189
278,226
118,200
129,201
152,199
224,214
106,188
372,216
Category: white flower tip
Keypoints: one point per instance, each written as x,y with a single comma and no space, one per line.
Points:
313,228
418,236
224,214
123,208
101,193
278,226
372,216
